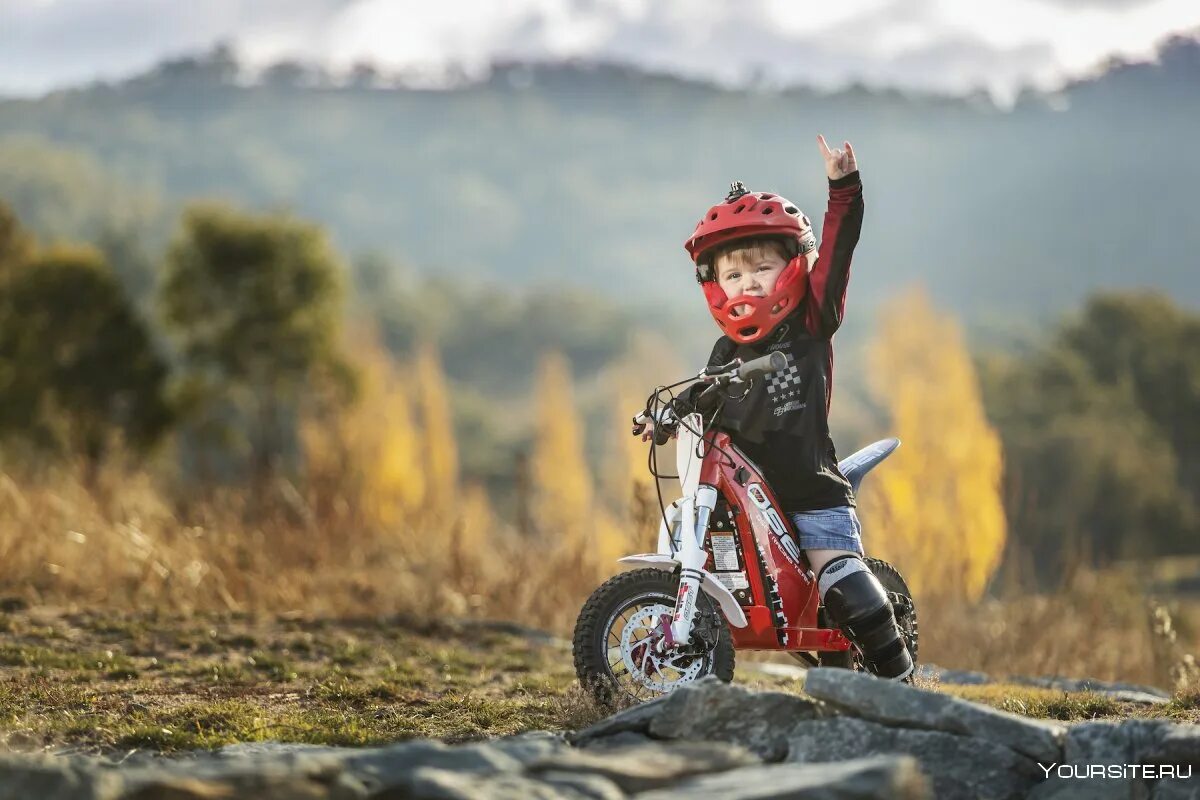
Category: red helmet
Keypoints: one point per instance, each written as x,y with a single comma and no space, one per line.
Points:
741,215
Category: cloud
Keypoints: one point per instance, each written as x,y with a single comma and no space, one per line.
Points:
946,45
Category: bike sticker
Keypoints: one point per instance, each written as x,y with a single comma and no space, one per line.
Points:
790,549
724,552
732,580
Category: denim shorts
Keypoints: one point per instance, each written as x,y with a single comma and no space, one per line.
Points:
829,529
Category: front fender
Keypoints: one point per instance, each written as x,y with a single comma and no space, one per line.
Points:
712,587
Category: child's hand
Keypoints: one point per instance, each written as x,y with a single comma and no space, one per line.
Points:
838,162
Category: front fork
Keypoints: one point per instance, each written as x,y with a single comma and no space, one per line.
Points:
694,515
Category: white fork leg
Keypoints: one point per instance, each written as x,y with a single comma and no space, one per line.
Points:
695,514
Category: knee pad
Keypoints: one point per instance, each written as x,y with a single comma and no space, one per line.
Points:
858,604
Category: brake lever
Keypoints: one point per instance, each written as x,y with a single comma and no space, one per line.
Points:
709,372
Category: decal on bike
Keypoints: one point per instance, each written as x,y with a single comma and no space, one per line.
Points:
786,542
724,550
685,605
733,581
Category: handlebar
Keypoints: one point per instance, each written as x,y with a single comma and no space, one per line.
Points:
735,371
771,362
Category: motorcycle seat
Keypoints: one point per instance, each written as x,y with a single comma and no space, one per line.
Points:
856,466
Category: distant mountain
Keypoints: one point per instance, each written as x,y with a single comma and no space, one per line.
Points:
593,175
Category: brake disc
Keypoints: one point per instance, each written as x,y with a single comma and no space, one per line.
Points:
658,671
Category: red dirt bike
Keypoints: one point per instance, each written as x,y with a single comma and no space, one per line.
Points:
728,574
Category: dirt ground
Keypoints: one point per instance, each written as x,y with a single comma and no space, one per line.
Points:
82,681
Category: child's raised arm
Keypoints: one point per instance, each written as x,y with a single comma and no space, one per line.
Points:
839,234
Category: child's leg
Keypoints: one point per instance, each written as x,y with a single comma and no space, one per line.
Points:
853,596
819,557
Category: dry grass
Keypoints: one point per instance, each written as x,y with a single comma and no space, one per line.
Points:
1098,625
124,542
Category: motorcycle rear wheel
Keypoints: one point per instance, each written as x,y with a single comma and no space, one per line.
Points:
614,658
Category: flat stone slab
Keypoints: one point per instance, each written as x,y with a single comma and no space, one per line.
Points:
957,766
649,766
635,719
893,703
887,778
712,710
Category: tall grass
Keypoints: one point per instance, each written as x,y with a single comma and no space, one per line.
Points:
120,539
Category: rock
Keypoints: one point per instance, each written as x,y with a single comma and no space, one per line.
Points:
1103,743
256,749
1133,741
958,766
622,739
895,778
895,703
442,784
394,767
271,777
1090,789
636,718
591,786
260,787
637,769
1176,789
51,778
531,746
1178,744
713,710
1113,689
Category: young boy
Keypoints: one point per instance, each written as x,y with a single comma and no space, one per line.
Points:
770,289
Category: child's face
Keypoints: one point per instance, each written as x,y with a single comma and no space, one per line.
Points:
751,271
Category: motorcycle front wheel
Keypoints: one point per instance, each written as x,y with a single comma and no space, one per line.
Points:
616,657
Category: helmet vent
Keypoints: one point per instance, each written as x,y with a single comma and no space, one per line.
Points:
768,197
791,210
767,210
713,215
740,209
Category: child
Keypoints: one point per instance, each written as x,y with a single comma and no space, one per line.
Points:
769,288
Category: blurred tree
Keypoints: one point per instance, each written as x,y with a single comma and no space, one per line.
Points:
1099,428
935,510
254,304
439,451
561,480
366,456
1144,341
127,255
76,363
16,246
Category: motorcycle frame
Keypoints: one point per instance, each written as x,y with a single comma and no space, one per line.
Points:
781,610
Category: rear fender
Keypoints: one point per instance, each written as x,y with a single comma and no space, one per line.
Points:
712,587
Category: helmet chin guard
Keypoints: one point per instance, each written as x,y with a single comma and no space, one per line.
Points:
747,319
743,214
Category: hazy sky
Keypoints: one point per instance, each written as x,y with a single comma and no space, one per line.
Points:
952,45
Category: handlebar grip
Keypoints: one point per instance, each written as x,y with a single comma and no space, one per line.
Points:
772,362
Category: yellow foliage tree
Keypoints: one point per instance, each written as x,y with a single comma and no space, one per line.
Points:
438,448
934,509
562,483
368,454
650,360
